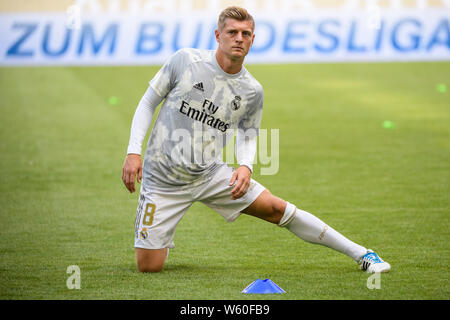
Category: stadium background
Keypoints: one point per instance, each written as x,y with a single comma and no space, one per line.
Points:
357,90
146,32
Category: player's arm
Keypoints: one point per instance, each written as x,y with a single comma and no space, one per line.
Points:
245,154
142,119
247,133
162,83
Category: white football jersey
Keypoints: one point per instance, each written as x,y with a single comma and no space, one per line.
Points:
202,108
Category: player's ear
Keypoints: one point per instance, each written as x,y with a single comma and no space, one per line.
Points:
217,34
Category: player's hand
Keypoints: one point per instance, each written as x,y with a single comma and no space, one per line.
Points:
132,167
241,180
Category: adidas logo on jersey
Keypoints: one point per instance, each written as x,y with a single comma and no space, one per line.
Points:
199,86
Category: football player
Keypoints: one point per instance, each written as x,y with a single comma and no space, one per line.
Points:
207,95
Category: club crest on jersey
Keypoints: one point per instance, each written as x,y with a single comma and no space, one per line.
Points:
236,103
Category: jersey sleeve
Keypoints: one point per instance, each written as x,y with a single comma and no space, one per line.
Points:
168,76
252,119
245,149
142,120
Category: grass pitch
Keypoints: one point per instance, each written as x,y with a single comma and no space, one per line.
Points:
365,147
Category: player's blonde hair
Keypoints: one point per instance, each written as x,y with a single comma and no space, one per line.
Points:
236,13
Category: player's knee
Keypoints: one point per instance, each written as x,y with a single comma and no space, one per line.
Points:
278,208
267,207
150,267
150,260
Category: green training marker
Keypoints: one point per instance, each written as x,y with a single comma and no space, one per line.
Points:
113,100
441,87
388,124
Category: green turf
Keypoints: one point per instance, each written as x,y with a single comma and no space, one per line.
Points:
365,147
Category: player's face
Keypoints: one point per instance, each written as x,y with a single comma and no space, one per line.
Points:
236,38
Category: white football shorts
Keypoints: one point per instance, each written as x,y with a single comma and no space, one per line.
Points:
159,212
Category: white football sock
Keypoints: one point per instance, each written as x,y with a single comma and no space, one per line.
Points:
313,230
